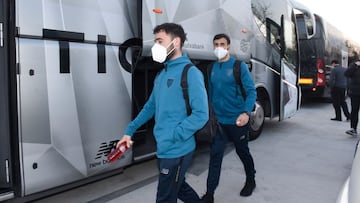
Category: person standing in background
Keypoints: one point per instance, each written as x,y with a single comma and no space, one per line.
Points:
338,85
353,74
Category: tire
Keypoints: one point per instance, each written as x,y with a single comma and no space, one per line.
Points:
257,119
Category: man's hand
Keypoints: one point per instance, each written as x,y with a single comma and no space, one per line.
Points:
127,139
242,120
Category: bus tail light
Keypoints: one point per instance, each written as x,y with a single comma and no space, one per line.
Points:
320,73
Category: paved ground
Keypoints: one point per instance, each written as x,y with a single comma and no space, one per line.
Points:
302,159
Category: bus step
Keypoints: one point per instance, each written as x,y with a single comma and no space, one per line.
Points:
6,195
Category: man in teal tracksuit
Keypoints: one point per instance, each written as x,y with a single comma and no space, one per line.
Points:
174,129
232,110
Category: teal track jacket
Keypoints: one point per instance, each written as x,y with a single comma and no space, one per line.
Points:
174,129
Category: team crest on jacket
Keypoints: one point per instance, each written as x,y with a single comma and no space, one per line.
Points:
169,82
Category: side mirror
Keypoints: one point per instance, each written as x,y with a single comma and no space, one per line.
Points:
308,16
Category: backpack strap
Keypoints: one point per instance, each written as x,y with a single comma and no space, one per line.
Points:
237,75
184,86
209,69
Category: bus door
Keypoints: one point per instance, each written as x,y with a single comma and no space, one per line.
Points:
289,91
5,164
289,73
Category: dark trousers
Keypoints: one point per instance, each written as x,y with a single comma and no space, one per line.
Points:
338,99
355,103
172,184
239,136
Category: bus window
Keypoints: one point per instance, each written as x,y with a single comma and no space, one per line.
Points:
290,49
273,34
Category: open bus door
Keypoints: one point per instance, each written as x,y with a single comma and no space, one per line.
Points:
290,95
289,89
5,146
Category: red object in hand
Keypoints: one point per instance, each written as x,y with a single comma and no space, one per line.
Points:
116,153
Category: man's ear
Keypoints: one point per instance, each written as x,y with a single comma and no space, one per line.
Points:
177,42
229,47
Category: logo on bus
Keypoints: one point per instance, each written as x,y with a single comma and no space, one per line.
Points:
101,155
105,149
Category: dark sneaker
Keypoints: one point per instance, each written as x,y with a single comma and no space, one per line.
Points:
208,198
248,188
352,132
335,119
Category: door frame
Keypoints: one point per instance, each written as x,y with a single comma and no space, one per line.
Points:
9,149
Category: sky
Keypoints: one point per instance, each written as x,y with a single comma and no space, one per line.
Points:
344,14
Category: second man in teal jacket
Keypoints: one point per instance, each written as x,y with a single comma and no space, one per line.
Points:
233,112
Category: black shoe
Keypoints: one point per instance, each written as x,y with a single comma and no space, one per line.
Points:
352,132
248,188
335,119
208,198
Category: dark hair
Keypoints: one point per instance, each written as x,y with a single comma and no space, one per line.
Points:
222,35
335,61
173,29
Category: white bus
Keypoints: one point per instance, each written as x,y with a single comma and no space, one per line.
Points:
75,72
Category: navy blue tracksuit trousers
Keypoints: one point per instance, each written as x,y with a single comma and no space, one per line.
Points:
172,184
239,136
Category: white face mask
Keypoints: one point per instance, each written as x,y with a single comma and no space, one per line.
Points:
220,52
159,53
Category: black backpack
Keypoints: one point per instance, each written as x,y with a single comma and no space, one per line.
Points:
208,132
237,75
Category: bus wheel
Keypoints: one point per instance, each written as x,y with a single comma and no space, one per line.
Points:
257,118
